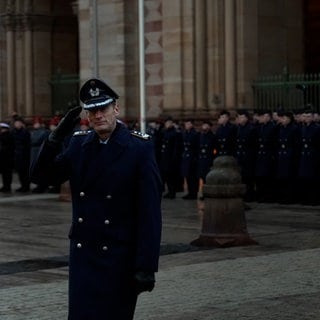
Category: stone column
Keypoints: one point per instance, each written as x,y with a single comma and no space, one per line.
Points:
247,50
10,37
28,70
201,55
230,54
28,55
215,50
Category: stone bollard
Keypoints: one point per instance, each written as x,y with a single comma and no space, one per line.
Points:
224,223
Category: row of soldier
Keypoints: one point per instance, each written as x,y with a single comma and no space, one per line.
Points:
19,145
278,157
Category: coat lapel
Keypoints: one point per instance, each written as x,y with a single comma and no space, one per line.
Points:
98,159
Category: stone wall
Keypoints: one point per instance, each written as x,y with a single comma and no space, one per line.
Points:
200,56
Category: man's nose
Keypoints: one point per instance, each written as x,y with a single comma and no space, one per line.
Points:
98,113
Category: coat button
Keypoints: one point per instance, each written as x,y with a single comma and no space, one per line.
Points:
109,196
79,245
104,248
81,194
107,221
80,220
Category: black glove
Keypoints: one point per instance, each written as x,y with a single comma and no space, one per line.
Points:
65,126
144,281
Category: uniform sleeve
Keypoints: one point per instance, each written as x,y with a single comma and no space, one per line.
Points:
50,166
149,211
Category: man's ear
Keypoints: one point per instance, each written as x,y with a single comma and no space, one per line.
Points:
116,110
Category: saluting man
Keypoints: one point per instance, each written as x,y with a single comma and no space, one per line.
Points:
116,194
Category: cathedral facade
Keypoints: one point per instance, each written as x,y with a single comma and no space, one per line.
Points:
200,56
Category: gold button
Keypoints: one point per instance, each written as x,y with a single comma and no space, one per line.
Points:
79,245
109,196
106,221
81,194
80,220
104,248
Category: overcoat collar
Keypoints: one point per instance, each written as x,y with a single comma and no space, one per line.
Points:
97,158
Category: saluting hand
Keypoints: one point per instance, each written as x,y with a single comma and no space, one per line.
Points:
66,125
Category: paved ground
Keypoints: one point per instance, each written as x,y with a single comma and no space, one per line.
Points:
277,279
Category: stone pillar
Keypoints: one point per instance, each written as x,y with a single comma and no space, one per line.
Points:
230,54
29,75
28,55
201,56
215,50
10,37
224,222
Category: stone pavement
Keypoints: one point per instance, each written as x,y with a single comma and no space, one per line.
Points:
277,279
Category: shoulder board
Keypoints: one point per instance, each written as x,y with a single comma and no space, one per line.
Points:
81,132
140,135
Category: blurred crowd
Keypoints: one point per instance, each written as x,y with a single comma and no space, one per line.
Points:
278,153
19,145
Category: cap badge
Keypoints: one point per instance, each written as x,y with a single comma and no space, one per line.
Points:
94,93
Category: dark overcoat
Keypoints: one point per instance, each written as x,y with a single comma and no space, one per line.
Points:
207,145
266,150
226,139
309,151
22,147
190,152
116,221
288,151
6,151
246,143
171,149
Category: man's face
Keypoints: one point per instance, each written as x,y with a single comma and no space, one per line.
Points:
284,120
264,118
18,124
307,118
188,125
223,119
242,119
103,120
205,127
168,124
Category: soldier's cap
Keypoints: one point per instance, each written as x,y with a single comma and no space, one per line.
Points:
208,122
262,112
308,108
288,114
37,119
20,119
224,112
95,94
169,118
4,125
243,112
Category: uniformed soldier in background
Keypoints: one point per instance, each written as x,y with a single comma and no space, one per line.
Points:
6,156
266,157
116,194
39,133
226,135
245,153
309,169
22,149
170,158
287,158
207,147
189,161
